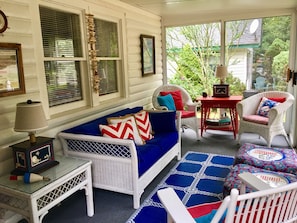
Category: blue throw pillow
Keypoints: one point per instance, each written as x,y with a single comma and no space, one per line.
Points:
163,121
167,101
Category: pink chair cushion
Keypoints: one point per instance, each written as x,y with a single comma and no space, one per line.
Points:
256,119
187,114
177,97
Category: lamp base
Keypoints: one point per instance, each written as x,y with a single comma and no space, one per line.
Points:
33,158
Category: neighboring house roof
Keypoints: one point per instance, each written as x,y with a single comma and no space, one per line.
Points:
251,36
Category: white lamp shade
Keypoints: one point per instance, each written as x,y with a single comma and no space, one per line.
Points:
221,71
29,117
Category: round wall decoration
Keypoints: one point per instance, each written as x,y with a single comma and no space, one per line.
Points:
3,22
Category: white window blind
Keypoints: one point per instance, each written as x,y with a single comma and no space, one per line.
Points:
61,35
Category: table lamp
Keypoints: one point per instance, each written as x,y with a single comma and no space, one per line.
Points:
221,73
30,118
37,153
222,89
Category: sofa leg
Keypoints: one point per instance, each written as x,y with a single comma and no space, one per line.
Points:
136,202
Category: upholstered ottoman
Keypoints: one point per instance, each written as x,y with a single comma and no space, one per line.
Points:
273,178
276,159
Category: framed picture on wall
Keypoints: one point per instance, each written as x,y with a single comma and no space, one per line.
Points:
11,70
147,44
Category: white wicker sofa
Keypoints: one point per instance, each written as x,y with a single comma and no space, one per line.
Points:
119,164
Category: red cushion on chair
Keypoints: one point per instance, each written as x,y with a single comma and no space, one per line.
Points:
280,100
187,114
256,119
177,97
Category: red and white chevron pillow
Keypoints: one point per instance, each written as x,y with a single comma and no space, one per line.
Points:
120,130
144,125
137,138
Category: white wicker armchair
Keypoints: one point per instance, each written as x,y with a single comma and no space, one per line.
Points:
275,126
190,122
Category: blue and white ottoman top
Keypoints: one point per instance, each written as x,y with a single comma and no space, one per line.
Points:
275,159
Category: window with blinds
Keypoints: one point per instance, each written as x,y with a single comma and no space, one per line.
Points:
62,44
108,54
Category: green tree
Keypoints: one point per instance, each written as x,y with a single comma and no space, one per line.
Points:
195,53
190,73
279,65
273,52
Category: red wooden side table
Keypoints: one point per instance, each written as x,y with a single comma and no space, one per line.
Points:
217,102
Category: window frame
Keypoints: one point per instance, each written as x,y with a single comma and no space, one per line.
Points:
55,110
111,98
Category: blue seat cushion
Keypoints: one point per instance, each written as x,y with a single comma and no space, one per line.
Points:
154,149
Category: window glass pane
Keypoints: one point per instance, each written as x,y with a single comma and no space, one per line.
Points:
108,77
107,38
257,51
192,55
60,33
63,82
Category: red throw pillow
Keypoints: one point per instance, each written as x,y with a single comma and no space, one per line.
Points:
177,97
137,138
121,130
280,100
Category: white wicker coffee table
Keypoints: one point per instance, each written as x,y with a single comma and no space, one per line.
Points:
34,200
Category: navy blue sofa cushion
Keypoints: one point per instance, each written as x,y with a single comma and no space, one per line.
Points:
154,149
92,127
163,121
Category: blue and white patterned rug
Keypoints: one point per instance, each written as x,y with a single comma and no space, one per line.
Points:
198,178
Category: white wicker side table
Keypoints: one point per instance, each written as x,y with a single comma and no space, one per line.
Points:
33,201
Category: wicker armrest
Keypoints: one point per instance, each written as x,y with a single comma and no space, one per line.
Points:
97,145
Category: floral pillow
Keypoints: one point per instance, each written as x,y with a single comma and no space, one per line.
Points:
265,106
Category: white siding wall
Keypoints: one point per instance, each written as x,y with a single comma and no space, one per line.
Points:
238,67
23,22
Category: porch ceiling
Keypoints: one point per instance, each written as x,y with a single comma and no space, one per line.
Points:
171,8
